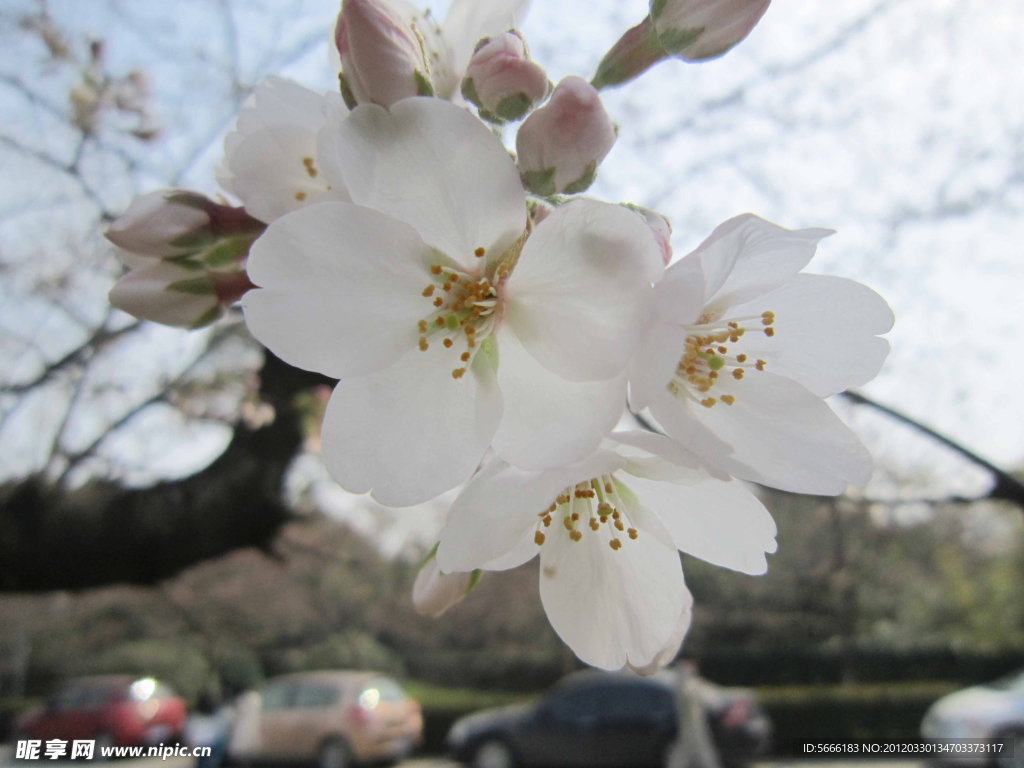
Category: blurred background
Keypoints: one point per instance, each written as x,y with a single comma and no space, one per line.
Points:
163,507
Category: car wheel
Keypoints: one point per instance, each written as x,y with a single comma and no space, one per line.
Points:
1014,739
333,754
493,754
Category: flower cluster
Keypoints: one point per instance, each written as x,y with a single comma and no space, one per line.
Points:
487,325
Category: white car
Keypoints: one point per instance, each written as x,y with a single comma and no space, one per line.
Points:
993,711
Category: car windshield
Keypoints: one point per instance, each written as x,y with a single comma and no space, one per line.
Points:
1014,682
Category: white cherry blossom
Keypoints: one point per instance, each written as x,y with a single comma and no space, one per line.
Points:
607,530
742,349
449,328
270,161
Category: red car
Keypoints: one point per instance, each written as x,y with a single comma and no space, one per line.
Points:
114,710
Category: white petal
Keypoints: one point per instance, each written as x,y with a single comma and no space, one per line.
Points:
679,295
469,20
783,435
143,293
581,291
825,332
341,289
434,166
523,552
549,421
748,256
499,507
674,642
613,607
657,457
411,431
652,367
718,521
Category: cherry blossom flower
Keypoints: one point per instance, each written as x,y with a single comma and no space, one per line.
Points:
502,80
695,30
439,312
270,161
742,349
608,530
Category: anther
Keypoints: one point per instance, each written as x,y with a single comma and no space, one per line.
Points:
439,321
594,526
737,374
723,350
436,269
308,162
547,521
464,357
567,523
741,358
446,287
769,331
760,364
538,538
607,487
632,533
300,196
728,399
479,252
707,402
428,291
438,301
423,326
619,525
457,373
453,278
615,544
423,343
575,535
615,514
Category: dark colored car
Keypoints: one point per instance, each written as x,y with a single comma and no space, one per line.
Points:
114,710
602,719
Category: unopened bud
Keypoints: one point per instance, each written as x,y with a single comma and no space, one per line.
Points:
502,80
168,294
635,52
696,30
168,222
434,592
675,641
661,228
382,58
561,144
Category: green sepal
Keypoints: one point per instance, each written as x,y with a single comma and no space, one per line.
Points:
430,555
469,92
186,261
676,41
227,251
514,107
583,182
195,286
200,238
657,8
423,85
474,579
209,316
346,92
541,183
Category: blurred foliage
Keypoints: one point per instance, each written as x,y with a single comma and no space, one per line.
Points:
345,650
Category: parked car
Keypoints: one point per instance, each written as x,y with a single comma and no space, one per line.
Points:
993,711
606,719
115,710
333,719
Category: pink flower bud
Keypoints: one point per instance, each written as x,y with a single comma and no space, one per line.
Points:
434,592
168,294
661,228
696,30
502,81
165,223
636,51
381,58
561,144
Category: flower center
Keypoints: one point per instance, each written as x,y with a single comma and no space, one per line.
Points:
466,306
707,359
592,504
